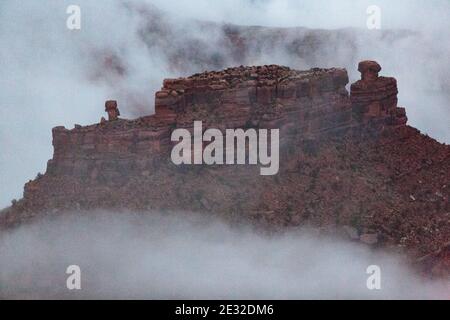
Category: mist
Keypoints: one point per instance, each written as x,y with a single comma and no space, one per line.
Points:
125,255
52,76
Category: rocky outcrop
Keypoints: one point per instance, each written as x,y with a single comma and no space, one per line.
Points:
300,103
345,159
266,96
374,98
304,105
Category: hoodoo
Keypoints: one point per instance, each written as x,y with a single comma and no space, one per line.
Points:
112,110
374,98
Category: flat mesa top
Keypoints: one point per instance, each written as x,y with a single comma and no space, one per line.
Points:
236,77
231,77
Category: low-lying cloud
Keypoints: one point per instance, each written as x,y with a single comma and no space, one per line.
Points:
187,256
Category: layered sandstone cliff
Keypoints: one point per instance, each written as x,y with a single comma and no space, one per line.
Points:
346,159
302,104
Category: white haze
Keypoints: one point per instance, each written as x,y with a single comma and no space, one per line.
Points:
184,256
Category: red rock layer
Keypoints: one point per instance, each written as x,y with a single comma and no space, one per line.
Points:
346,160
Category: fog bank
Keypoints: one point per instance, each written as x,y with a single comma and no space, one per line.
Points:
186,256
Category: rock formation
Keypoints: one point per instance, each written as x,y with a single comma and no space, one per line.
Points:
112,110
346,160
374,98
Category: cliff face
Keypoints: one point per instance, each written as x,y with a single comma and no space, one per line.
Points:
345,159
308,102
304,105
